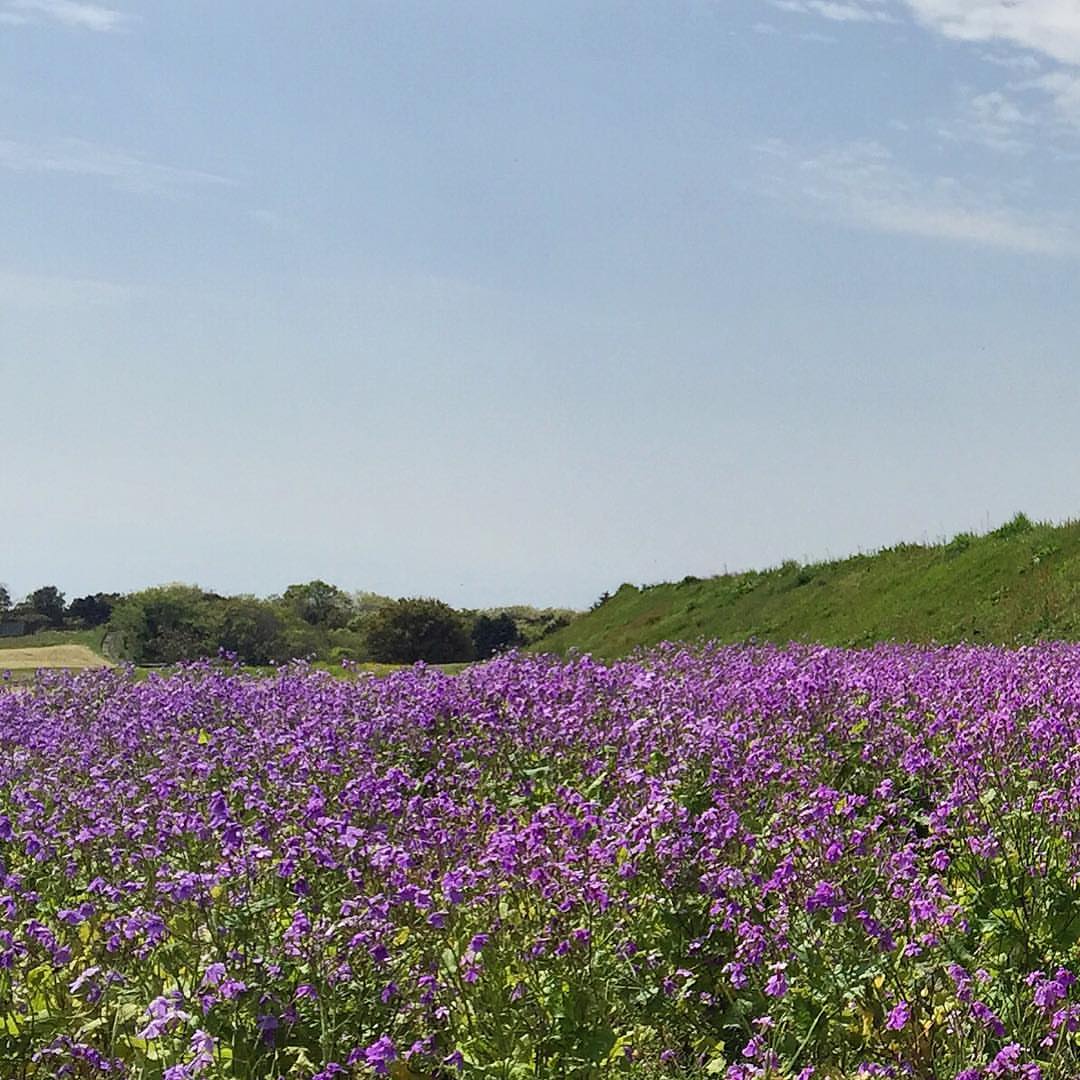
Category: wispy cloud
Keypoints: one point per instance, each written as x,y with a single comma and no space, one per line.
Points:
768,29
38,291
77,157
71,13
838,10
995,120
1062,88
1025,116
861,184
1034,45
1013,61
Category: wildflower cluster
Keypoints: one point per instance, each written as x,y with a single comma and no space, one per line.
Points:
738,862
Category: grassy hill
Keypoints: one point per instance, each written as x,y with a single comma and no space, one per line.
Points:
90,639
1019,583
20,657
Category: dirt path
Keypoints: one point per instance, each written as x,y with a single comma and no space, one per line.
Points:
50,656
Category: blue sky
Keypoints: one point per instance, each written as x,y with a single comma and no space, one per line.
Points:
512,303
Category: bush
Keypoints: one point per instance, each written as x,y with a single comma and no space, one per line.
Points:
1019,525
959,543
252,630
93,610
493,634
166,625
418,628
319,604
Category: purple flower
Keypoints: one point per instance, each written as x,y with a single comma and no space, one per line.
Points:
380,1054
987,1017
898,1017
1049,993
268,1025
777,985
214,974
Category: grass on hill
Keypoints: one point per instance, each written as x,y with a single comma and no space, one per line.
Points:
1017,584
91,639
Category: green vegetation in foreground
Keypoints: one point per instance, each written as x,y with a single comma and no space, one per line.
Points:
1015,585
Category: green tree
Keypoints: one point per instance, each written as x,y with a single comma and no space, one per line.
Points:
416,628
493,634
48,602
252,629
93,610
5,602
167,624
300,640
319,604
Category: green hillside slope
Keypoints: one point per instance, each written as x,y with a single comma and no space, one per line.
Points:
1020,583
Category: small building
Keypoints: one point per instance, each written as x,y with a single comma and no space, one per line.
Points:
12,629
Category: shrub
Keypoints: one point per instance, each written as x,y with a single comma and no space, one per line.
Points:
1017,526
417,628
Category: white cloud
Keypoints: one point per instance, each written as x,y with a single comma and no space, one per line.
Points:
1063,90
1024,117
1051,27
1013,61
72,13
861,184
76,157
838,10
994,120
1041,111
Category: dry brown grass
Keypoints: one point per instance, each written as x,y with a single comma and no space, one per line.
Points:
51,656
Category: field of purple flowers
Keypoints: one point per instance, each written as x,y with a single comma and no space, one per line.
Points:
739,863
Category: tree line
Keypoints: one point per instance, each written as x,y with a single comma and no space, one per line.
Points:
315,620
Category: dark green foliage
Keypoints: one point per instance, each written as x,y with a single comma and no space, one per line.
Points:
1018,526
47,602
91,611
493,634
314,621
5,602
960,543
252,630
533,623
167,624
319,604
417,628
